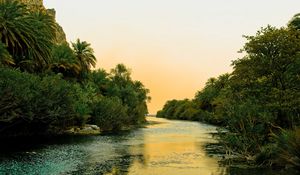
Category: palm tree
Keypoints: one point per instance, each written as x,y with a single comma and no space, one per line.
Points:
295,21
85,56
64,61
45,30
27,35
5,57
15,27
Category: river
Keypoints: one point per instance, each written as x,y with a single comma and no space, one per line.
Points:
164,147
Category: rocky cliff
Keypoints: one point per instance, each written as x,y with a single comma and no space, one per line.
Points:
60,34
34,3
38,4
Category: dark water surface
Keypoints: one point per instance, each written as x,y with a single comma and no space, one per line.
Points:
165,148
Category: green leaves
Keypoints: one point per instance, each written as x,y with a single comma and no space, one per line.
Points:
289,147
294,23
85,56
5,57
259,98
30,104
28,35
40,103
181,109
110,114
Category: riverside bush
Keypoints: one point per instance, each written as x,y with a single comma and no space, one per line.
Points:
109,114
33,105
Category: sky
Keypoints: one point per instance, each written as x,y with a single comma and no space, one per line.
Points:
171,46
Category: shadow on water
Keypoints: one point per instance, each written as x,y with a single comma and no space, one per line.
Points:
114,156
215,149
166,147
65,155
255,171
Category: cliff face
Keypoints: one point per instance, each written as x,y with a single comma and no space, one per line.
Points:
38,4
60,34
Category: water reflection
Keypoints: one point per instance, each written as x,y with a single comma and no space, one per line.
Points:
165,147
172,148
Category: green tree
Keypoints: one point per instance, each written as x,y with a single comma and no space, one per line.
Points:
64,61
295,22
100,80
133,94
269,72
110,114
34,105
209,98
258,103
85,56
44,26
5,57
263,92
27,35
181,109
168,109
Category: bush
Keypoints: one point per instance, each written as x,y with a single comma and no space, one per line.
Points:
33,105
109,114
85,99
289,147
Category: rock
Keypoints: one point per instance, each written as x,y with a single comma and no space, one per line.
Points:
87,128
95,127
60,34
84,130
70,131
38,5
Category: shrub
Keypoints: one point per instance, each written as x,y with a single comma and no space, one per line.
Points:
33,105
289,147
109,114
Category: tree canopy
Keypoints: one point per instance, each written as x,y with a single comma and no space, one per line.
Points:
48,87
258,102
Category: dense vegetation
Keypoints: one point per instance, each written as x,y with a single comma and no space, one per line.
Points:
258,103
48,87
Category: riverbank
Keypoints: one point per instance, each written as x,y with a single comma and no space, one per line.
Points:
84,130
95,130
158,148
272,157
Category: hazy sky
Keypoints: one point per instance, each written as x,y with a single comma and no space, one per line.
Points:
172,46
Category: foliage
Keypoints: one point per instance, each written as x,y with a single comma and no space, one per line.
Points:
204,107
84,101
180,109
263,93
64,61
5,57
132,94
50,99
295,22
258,100
110,114
27,35
208,96
289,147
85,57
100,80
33,105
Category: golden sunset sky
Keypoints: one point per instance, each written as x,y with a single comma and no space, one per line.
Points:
172,46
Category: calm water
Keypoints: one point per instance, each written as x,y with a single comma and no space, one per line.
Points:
165,148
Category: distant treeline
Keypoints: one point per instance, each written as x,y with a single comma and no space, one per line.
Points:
47,87
258,103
